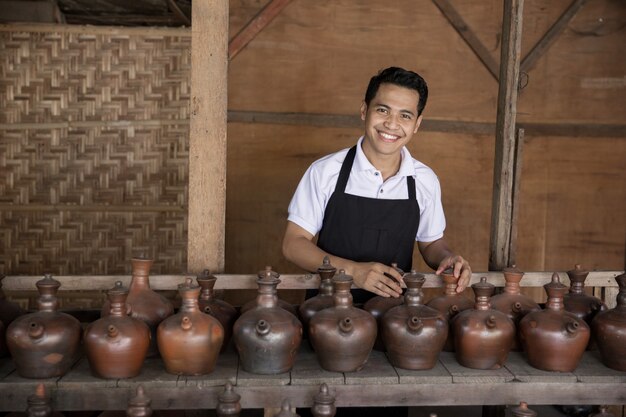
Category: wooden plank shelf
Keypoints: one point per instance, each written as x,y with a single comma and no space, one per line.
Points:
377,384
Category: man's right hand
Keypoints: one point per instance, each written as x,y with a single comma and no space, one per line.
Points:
378,278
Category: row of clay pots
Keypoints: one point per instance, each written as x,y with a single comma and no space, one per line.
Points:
342,335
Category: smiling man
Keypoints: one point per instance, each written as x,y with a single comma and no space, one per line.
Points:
369,204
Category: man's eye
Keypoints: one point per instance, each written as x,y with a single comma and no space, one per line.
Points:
406,116
382,110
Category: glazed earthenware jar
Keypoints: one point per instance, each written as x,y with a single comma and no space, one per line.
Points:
512,302
523,411
323,403
554,339
609,330
40,404
482,336
377,306
324,298
342,336
281,303
139,405
144,303
9,310
190,340
117,344
228,404
450,304
584,306
413,334
44,344
267,337
221,310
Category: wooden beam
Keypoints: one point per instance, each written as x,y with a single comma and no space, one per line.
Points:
515,196
255,26
504,161
468,36
171,4
207,136
551,35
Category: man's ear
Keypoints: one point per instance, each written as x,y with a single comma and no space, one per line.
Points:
363,110
417,125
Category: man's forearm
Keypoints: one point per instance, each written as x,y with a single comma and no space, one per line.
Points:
435,252
308,256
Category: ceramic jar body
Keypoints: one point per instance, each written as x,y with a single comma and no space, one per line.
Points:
323,299
144,303
512,302
190,341
267,337
342,336
44,344
117,345
220,309
609,330
377,307
450,304
554,339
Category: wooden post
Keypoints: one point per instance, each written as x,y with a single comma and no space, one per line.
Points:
515,196
207,136
503,170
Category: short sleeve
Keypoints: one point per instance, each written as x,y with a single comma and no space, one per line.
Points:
432,218
308,204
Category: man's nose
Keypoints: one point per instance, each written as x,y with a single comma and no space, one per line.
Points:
391,122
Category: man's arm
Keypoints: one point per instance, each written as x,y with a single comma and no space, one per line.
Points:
298,247
440,257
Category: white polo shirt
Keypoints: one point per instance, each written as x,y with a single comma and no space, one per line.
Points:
308,204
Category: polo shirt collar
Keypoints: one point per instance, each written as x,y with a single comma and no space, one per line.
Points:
361,163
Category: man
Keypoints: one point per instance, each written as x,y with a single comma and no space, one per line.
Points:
369,204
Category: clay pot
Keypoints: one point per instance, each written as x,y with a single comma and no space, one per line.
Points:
285,410
323,403
144,303
190,340
9,310
221,310
228,404
482,336
324,298
377,306
609,330
117,344
584,306
450,304
139,405
512,302
46,343
40,404
267,337
413,333
343,336
523,411
281,303
554,339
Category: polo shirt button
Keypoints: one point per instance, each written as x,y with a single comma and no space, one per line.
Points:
381,190
376,173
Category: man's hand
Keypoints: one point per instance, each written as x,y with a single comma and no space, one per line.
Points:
461,269
378,278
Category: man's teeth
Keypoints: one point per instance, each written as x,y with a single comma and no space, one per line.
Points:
388,136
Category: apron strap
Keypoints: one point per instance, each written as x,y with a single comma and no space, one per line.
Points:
346,167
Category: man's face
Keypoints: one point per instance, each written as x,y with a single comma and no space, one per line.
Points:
390,120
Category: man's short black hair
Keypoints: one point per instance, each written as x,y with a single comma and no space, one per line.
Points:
400,77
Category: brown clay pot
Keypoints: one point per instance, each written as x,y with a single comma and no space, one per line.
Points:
584,306
281,303
44,344
523,411
221,310
482,336
343,336
450,304
285,410
609,330
323,403
139,405
377,306
190,340
413,334
554,339
267,337
117,344
512,302
144,303
324,298
40,404
228,404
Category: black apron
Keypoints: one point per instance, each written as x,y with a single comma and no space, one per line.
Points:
367,229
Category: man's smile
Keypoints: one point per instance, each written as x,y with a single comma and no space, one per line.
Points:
388,137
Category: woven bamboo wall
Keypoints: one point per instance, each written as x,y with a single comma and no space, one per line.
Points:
93,150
